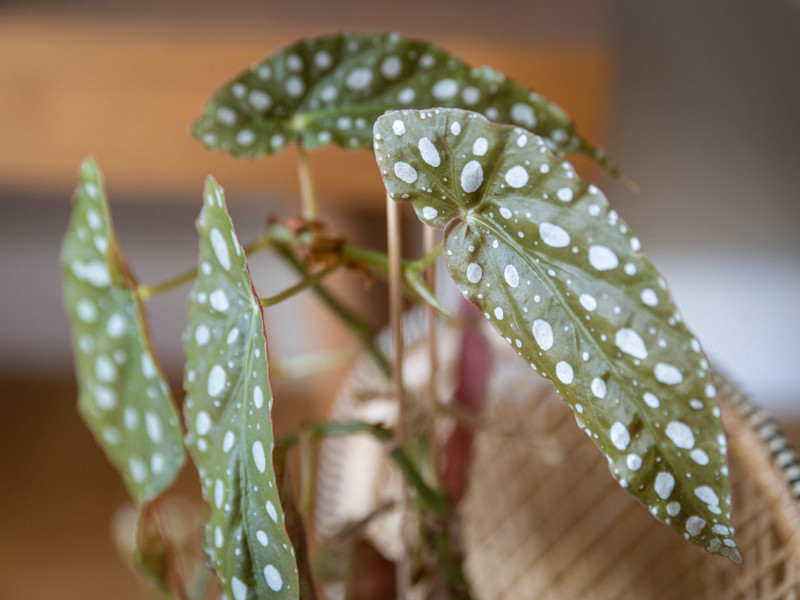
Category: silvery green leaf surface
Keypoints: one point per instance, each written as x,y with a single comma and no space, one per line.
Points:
330,90
228,416
562,279
122,395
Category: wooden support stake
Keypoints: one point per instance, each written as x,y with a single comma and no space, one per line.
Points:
429,241
394,238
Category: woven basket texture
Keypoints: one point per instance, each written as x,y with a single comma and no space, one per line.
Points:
544,519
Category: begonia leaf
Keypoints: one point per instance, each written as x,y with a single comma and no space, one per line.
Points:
122,394
228,416
562,279
330,90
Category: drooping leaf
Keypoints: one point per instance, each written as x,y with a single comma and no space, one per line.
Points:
122,395
294,523
562,279
330,90
155,555
228,408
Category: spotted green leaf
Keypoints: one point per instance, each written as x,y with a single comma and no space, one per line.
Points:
562,279
122,395
227,411
331,89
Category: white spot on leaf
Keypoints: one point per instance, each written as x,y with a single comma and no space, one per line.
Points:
511,276
259,458
480,146
239,589
216,381
522,114
694,525
516,176
554,236
471,176
543,334
564,372
599,388
405,172
680,434
445,89
667,374
588,302
631,343
220,248
219,301
665,483
429,152
474,272
273,578
620,436
602,258
202,423
391,67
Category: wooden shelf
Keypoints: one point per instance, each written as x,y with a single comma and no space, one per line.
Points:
125,92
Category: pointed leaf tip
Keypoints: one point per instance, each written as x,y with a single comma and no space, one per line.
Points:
122,394
228,418
561,278
330,90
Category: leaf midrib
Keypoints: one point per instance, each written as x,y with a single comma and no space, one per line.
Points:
578,324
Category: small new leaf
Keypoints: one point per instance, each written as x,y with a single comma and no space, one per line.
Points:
561,278
330,90
228,416
122,395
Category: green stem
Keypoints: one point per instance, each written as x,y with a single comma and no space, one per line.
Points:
433,501
335,429
413,285
308,196
356,325
306,283
146,292
426,261
306,475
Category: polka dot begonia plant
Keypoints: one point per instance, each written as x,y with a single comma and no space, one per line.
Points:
537,250
122,394
562,279
330,90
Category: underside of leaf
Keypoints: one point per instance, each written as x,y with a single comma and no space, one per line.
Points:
330,90
228,416
122,394
562,279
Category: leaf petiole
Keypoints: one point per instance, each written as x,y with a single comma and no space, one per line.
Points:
309,281
308,196
146,292
413,284
356,325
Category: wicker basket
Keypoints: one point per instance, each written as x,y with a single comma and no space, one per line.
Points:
544,518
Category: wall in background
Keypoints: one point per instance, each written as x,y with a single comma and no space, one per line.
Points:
705,122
